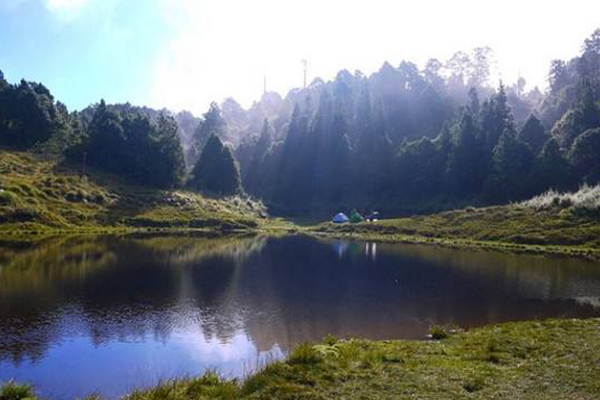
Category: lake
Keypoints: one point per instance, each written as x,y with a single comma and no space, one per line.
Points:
108,314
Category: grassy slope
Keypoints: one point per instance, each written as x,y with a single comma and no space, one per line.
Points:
516,228
555,359
37,196
43,196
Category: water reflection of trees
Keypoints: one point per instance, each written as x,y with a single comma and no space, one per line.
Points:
111,288
279,291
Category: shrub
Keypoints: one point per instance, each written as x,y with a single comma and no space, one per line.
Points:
438,332
14,391
330,340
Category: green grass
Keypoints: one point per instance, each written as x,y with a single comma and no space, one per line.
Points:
512,228
553,359
44,197
15,391
38,196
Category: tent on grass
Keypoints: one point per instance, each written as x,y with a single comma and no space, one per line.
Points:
340,218
355,217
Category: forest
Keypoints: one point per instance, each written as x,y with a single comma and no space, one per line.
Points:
403,140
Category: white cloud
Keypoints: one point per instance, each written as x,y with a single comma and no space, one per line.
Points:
225,47
66,9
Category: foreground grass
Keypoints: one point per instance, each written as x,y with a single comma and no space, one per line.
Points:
556,229
38,196
554,359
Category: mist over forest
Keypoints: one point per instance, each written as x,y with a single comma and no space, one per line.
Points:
402,140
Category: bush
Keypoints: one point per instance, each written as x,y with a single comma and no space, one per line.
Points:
438,332
14,391
330,340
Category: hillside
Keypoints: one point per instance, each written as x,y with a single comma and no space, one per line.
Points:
40,195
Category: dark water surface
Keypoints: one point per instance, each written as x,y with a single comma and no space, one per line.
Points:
108,314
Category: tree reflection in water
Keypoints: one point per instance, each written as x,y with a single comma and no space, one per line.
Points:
117,312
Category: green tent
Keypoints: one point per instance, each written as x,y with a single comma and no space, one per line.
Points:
355,217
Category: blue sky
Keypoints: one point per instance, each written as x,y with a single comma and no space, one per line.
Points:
102,49
183,54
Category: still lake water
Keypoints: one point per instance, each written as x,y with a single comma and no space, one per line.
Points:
105,315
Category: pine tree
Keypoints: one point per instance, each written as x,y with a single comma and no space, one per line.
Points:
512,161
496,118
551,170
169,163
253,180
465,163
106,147
294,177
533,134
584,156
213,123
216,171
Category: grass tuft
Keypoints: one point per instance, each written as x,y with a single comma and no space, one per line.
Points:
586,198
15,391
304,354
438,332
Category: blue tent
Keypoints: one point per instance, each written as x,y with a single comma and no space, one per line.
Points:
340,218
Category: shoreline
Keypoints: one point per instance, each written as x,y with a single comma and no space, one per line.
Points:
553,358
278,227
586,253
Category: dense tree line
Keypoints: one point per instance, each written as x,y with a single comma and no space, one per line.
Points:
410,140
29,115
403,139
132,145
138,143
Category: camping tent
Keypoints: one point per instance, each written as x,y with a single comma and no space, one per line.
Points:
355,217
340,218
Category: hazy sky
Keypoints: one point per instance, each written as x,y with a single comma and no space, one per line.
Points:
182,54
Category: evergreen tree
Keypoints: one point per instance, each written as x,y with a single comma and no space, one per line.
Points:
551,170
29,114
496,118
590,115
579,119
420,170
338,165
106,147
169,165
474,103
254,178
131,145
374,160
295,173
465,164
533,134
4,104
584,156
216,171
558,75
512,161
212,124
